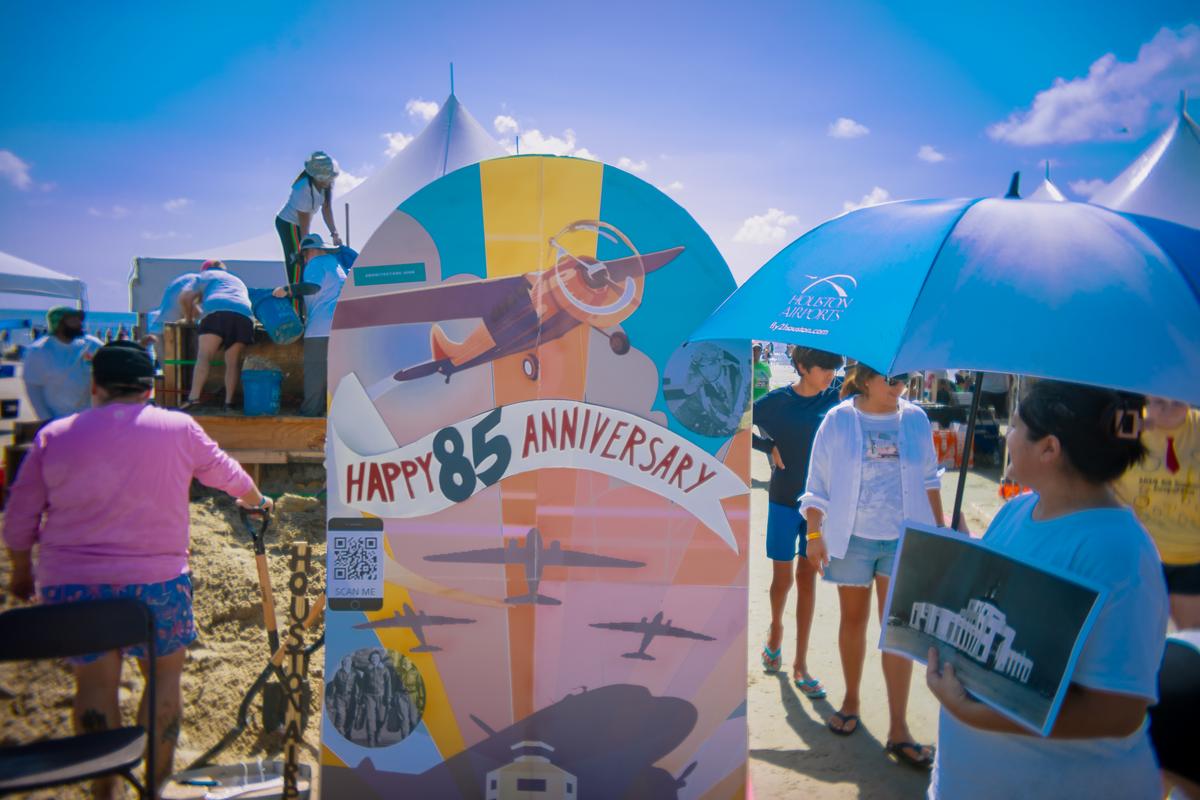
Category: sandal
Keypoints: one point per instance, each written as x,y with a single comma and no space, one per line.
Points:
845,719
188,406
772,660
810,688
899,752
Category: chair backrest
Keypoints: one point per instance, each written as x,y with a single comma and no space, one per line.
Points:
71,629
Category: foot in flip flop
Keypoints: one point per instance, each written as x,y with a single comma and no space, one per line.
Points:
917,756
846,723
772,660
809,686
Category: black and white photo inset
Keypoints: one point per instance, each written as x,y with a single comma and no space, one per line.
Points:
1012,630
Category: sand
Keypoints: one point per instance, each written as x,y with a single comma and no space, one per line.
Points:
792,754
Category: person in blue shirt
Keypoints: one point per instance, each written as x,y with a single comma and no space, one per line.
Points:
169,309
321,266
222,303
788,419
57,368
1068,443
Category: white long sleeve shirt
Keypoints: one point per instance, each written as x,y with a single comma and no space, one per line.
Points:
835,471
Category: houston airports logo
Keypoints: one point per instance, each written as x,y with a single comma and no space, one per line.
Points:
825,299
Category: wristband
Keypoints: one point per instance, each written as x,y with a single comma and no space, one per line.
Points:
262,503
813,535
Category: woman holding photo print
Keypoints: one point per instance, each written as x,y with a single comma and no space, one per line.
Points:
1068,443
873,465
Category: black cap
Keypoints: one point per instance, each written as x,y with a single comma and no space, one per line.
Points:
123,364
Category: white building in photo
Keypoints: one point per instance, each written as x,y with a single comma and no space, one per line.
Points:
980,630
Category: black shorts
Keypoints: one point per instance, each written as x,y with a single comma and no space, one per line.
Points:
1173,720
231,326
1182,578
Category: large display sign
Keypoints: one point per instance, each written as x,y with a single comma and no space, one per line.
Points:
538,498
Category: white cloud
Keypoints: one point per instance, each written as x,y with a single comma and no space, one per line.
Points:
629,165
930,153
15,170
177,204
505,125
114,212
396,142
846,128
425,109
874,197
1114,100
1087,188
345,181
151,236
765,228
674,186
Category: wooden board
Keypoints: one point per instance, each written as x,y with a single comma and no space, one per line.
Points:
303,435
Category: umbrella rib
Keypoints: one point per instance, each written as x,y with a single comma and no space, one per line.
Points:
932,261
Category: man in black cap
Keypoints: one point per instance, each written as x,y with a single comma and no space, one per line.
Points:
57,369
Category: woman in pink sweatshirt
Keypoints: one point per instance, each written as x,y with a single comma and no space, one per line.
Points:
104,496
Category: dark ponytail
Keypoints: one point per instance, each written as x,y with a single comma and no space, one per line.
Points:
1099,429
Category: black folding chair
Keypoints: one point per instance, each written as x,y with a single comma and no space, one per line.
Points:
73,629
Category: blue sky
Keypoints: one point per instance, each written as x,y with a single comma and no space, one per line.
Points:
157,128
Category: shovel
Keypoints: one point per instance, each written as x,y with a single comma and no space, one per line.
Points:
274,704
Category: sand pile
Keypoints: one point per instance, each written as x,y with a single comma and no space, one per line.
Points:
35,700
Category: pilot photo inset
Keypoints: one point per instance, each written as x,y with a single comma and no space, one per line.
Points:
375,698
1013,631
707,387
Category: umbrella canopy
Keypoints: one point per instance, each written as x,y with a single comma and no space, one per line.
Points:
1069,291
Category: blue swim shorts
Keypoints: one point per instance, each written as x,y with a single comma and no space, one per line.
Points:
864,559
786,531
169,602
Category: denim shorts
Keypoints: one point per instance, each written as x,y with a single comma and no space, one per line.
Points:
864,559
170,603
786,531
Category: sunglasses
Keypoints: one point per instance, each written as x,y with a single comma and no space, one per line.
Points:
892,381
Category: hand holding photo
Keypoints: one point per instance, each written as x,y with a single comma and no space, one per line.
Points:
999,630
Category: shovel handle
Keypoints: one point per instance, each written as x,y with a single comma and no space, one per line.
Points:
268,601
314,613
258,534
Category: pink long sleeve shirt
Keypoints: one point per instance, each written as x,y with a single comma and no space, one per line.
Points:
104,494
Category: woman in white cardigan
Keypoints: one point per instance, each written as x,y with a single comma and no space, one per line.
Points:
873,466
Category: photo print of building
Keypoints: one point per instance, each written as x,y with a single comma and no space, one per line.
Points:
1012,630
979,630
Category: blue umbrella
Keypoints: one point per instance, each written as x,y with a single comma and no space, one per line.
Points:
1069,291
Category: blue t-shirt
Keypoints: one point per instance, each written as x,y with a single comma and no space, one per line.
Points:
325,271
58,375
789,422
168,309
1122,654
223,291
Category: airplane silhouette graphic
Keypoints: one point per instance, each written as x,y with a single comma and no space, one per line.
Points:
649,630
417,621
534,556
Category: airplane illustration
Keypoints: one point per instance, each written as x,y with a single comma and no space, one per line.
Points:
534,556
518,313
649,630
417,621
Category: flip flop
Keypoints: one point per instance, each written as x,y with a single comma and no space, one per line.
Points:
899,752
810,688
846,719
772,660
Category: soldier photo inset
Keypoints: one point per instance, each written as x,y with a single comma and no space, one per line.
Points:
376,698
707,388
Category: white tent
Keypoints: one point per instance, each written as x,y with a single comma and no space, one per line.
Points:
18,276
1164,181
1048,192
452,139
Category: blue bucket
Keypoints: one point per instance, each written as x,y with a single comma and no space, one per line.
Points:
260,392
277,316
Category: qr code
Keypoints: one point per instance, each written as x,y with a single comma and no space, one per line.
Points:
356,558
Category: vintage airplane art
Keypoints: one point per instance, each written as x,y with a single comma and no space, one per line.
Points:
518,312
649,630
533,556
417,621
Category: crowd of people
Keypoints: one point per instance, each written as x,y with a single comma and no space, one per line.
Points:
1112,481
